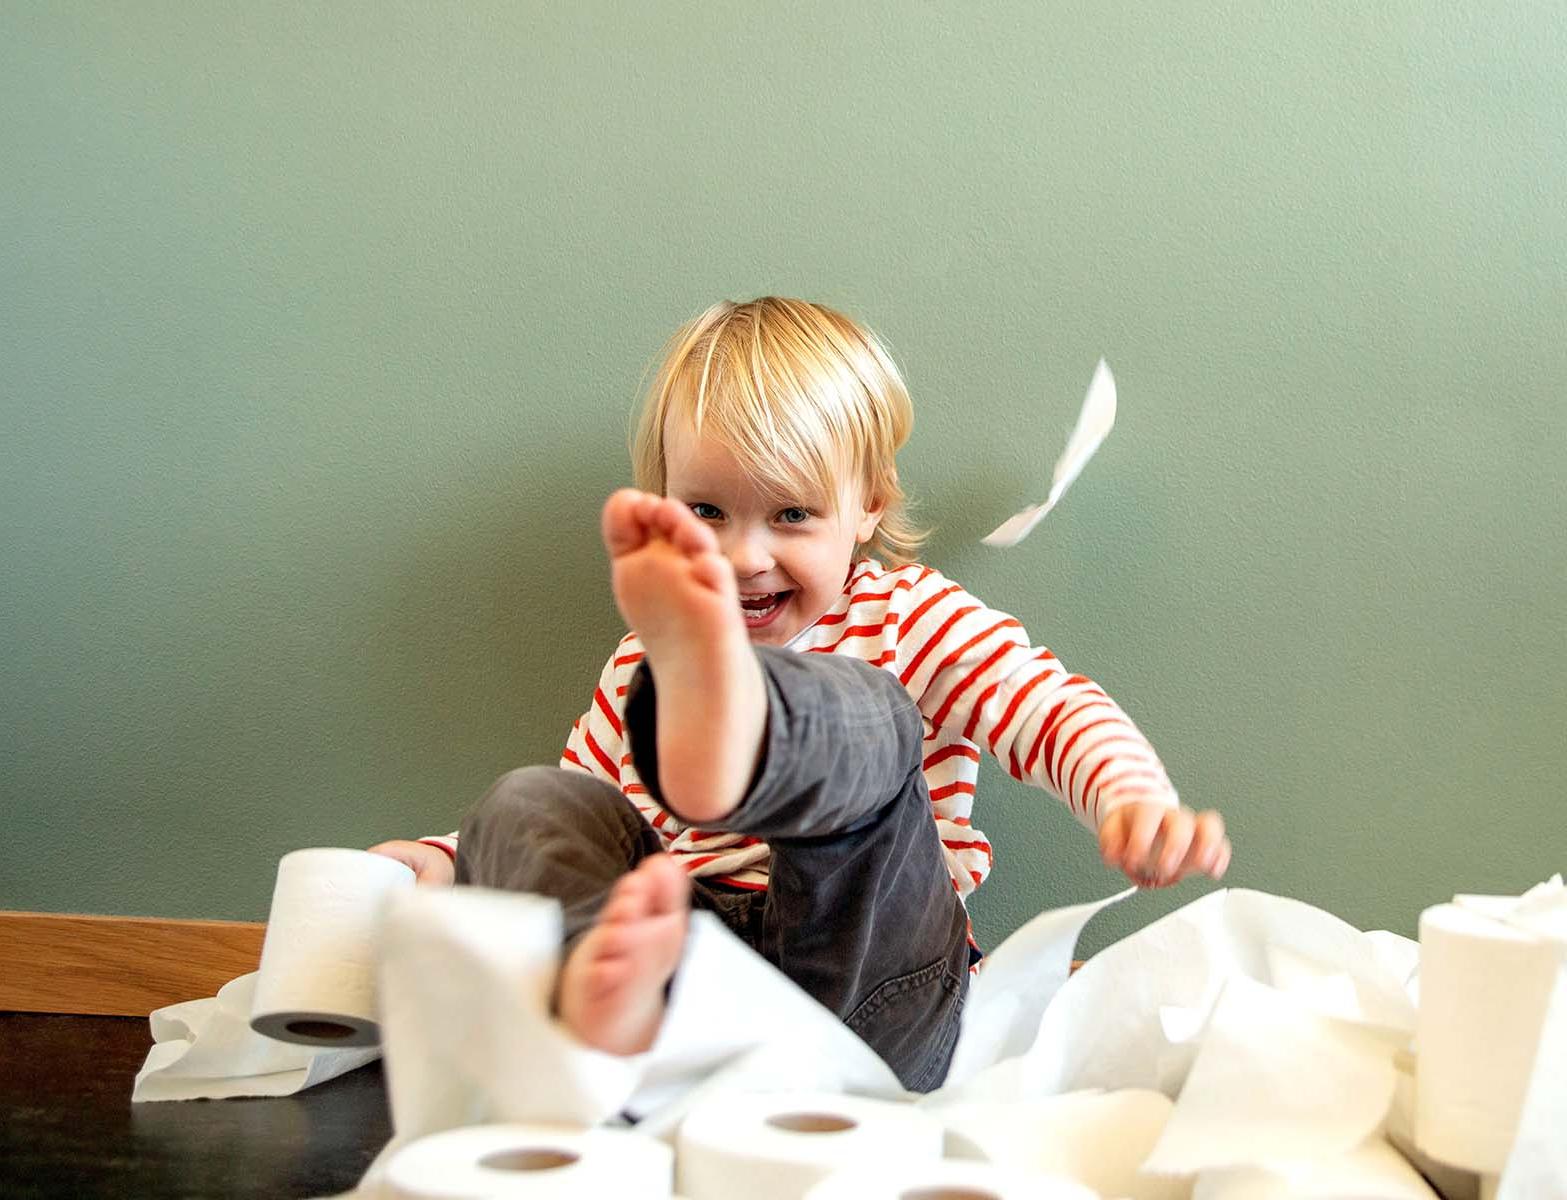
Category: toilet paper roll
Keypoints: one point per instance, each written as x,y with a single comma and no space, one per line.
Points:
1485,989
530,1162
947,1180
1449,1182
1100,1139
1373,1171
776,1146
316,984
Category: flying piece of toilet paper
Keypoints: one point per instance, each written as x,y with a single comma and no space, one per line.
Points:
1093,423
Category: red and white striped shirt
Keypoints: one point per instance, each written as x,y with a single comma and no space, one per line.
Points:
979,684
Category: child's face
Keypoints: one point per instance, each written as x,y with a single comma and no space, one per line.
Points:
791,557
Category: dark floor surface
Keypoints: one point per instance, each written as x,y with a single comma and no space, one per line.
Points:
68,1128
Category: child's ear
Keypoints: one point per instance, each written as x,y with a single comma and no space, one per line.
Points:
872,518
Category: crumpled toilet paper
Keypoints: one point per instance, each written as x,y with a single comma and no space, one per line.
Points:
206,1049
1275,1081
1242,1005
1107,1026
1016,983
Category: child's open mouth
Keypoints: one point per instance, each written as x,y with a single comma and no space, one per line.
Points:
760,610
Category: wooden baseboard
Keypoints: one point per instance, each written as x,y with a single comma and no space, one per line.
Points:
118,966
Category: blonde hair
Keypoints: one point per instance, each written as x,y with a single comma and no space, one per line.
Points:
804,397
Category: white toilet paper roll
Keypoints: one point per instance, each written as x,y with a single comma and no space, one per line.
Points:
1373,1171
316,985
1485,988
947,1180
776,1146
1099,1139
530,1162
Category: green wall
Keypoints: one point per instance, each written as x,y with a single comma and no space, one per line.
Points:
321,325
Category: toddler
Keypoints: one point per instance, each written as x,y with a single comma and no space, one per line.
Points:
790,735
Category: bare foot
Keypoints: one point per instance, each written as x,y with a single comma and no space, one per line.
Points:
678,593
611,990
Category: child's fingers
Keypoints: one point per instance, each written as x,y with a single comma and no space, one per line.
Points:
1207,841
1223,863
1143,827
1176,831
1112,838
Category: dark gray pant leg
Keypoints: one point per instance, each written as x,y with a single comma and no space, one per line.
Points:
556,833
569,835
860,909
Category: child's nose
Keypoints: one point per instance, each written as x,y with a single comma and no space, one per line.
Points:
748,553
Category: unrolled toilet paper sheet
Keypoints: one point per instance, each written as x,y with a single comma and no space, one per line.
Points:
207,1049
466,976
735,1023
1016,983
1275,1081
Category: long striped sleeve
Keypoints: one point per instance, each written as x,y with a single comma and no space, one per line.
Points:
974,673
981,686
597,742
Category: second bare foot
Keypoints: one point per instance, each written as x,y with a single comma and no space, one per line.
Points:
611,989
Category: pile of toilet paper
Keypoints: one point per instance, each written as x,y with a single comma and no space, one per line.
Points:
1245,1046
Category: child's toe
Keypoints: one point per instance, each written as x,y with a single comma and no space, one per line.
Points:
623,530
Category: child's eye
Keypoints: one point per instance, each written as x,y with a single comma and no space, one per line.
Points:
708,512
794,516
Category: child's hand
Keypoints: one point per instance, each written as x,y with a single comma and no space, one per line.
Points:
1157,845
430,864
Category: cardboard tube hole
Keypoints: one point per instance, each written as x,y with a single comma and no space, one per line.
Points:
330,1030
530,1159
811,1122
948,1193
